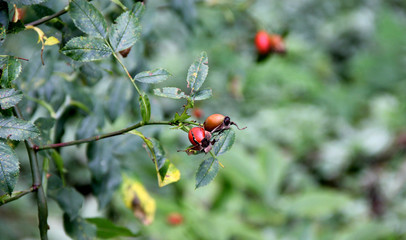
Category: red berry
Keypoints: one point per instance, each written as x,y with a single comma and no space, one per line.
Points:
196,135
277,44
262,42
213,121
175,219
197,112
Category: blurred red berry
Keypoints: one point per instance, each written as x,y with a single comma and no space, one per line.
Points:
197,112
277,44
262,42
175,219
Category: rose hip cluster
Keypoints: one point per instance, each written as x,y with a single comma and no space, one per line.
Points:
202,137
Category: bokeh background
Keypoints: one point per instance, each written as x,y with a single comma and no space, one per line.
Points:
323,155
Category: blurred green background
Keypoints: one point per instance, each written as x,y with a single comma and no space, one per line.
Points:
323,155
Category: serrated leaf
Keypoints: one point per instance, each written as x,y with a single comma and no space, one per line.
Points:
86,49
145,108
224,142
180,118
206,172
107,229
158,152
168,174
87,18
9,168
197,73
9,98
202,95
146,140
136,198
25,2
79,228
17,129
11,70
153,76
170,92
127,29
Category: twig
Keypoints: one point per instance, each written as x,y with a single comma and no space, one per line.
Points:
36,183
17,195
98,137
47,18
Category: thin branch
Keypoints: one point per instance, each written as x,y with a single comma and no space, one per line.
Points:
47,18
36,183
17,195
98,137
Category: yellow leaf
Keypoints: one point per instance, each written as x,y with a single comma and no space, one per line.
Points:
40,33
171,175
136,198
51,41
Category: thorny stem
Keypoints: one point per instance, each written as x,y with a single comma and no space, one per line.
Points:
47,18
36,183
98,137
17,195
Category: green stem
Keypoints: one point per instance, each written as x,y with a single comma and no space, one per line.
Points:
126,71
36,183
17,195
98,137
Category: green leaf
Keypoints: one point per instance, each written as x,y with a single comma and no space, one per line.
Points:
11,70
119,97
107,229
168,174
87,127
180,118
197,73
202,95
9,169
105,169
69,200
224,142
158,152
170,92
85,49
87,18
9,98
79,228
17,129
127,29
44,125
25,2
154,76
145,108
206,172
58,161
